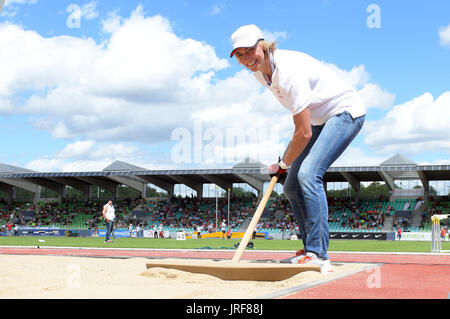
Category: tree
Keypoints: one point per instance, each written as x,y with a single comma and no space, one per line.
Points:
373,190
240,192
152,192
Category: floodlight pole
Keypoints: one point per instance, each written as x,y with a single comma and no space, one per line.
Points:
217,209
228,208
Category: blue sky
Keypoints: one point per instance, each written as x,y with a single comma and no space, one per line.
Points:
134,79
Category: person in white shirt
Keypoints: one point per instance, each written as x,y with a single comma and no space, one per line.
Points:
406,206
327,114
138,231
108,213
130,230
223,228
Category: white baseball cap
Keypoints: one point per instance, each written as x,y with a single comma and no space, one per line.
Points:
246,37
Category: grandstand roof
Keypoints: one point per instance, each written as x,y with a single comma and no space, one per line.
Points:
251,163
122,173
123,166
397,160
251,172
158,173
6,168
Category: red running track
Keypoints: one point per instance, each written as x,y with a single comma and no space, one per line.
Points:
393,276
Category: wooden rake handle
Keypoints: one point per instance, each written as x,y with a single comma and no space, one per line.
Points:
255,219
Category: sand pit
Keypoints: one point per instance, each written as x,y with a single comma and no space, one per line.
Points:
60,277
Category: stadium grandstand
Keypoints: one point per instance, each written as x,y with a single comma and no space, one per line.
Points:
409,209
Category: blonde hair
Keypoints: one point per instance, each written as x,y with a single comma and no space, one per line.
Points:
268,46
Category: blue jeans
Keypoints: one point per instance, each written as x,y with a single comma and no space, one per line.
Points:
109,229
304,182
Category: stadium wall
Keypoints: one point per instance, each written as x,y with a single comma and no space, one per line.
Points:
124,233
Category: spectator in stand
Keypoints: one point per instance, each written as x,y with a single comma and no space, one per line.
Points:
254,232
406,206
8,228
160,231
419,203
399,233
130,230
229,233
138,231
223,228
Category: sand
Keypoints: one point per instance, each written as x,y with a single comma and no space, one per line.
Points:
61,277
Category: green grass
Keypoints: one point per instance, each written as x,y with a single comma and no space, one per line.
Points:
259,244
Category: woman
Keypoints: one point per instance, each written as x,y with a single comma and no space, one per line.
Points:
327,114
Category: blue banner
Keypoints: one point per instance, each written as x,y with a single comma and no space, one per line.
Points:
116,233
42,232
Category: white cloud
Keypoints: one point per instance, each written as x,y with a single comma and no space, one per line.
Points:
138,86
355,156
55,164
31,62
437,161
78,149
46,165
444,35
216,8
11,2
86,156
89,11
112,23
371,93
10,7
6,107
274,36
108,91
357,77
375,97
410,128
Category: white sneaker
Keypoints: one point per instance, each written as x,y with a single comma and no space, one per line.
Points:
294,260
326,267
311,258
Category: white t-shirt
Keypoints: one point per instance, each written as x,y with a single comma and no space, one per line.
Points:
110,212
300,81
